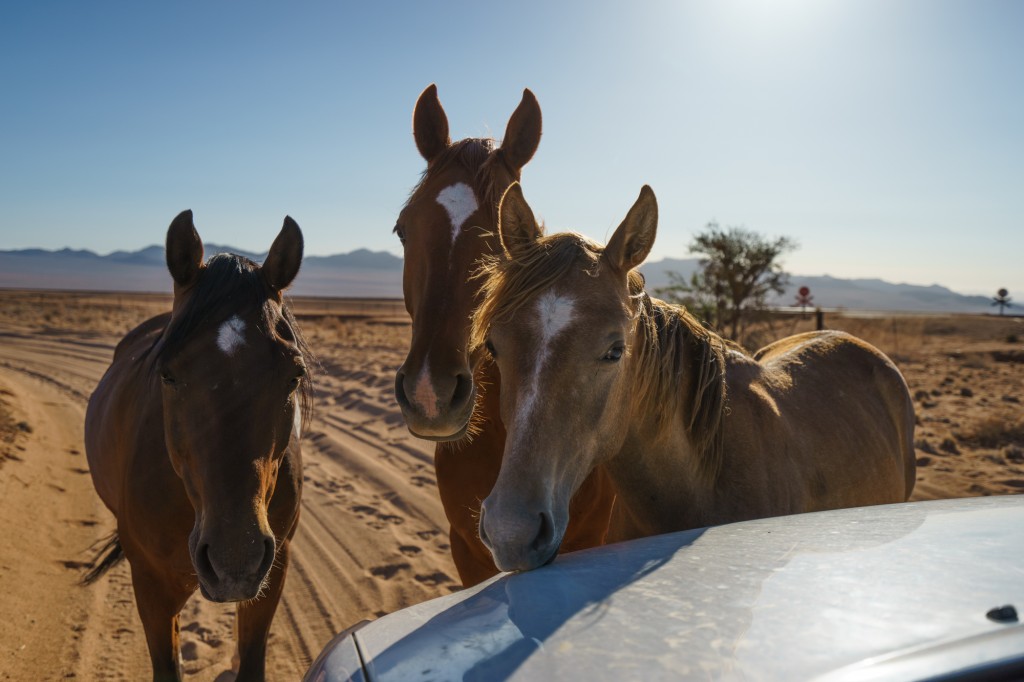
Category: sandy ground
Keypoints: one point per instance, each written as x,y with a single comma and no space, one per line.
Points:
372,537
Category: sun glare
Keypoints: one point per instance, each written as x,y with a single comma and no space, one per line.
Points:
771,20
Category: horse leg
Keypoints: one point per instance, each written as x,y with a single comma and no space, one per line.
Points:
252,624
158,608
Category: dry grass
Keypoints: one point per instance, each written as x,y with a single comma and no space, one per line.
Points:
77,312
899,336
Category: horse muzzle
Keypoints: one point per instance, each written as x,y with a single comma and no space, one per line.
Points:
233,574
436,408
520,541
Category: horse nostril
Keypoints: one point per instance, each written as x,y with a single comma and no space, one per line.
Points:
463,388
480,530
545,534
400,390
269,551
203,564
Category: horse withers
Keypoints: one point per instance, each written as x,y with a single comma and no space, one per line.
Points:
692,430
192,437
447,392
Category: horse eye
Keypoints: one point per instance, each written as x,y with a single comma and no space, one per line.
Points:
297,379
400,231
490,349
167,378
614,354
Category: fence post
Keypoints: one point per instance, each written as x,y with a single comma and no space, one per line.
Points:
819,318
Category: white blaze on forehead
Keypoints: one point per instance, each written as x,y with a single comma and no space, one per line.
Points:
460,202
554,314
231,335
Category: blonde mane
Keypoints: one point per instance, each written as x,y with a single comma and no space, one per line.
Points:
671,347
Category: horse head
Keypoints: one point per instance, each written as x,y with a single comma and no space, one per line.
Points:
447,225
234,382
559,318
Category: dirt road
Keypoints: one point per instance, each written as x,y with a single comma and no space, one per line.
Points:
372,537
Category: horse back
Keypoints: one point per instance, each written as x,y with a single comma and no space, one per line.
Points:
849,408
120,408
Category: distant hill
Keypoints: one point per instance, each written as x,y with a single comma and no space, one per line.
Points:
364,273
853,294
361,273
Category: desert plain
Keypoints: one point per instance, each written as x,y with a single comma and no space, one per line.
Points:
372,536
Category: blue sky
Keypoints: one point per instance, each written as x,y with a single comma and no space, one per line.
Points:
884,136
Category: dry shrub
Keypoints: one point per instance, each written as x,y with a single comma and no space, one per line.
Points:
994,432
11,431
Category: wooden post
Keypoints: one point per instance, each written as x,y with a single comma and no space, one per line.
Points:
819,317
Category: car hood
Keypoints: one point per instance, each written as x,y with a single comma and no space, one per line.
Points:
886,592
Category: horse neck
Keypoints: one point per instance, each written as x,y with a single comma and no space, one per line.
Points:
669,467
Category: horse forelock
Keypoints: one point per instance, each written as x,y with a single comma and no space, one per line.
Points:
508,284
482,158
231,285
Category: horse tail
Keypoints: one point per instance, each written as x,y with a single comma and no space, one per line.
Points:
108,556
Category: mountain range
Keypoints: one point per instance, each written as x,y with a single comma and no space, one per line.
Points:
378,274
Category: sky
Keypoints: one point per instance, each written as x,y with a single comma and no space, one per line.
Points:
886,137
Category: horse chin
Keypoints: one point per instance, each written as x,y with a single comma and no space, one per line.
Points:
226,594
458,435
439,430
526,562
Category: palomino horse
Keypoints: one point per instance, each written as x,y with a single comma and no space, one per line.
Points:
448,224
692,431
193,436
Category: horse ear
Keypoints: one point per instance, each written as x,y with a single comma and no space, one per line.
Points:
522,135
183,250
633,239
285,256
516,225
430,124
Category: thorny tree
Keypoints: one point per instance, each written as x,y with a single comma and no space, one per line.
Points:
738,270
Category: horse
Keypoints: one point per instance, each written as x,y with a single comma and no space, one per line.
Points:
447,393
192,437
692,430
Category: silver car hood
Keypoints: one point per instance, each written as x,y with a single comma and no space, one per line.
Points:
888,592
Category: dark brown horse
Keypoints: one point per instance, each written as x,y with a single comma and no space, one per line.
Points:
448,224
193,436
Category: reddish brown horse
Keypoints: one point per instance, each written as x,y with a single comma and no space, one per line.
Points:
193,436
448,224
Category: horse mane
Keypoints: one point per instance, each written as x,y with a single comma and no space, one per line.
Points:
232,284
674,347
483,158
671,347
